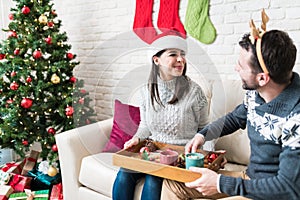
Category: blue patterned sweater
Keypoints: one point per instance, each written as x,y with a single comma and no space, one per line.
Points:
274,133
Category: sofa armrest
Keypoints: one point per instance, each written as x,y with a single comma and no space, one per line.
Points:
75,144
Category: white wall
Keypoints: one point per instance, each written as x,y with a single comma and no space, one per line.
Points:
114,61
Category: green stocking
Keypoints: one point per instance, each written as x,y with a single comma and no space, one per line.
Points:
197,22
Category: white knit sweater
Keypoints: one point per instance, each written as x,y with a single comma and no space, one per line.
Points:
174,123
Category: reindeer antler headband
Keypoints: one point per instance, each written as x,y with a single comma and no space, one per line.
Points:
257,34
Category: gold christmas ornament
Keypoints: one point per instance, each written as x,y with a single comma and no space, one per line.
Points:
43,19
55,79
52,171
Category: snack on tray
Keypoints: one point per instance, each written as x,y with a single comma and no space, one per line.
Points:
150,144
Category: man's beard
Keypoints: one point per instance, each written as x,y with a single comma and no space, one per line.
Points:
249,87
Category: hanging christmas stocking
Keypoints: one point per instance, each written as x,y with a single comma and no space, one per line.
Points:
168,17
142,24
197,22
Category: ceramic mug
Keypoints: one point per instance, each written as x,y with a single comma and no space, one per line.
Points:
168,157
194,160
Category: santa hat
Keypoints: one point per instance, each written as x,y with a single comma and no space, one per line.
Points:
168,42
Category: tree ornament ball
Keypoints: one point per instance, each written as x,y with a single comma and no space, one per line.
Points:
55,79
26,102
28,79
25,10
37,54
50,24
52,171
25,142
14,86
69,110
70,56
2,56
13,73
51,131
11,16
73,79
17,51
48,40
54,148
12,34
43,19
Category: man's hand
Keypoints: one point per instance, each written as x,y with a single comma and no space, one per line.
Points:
132,142
207,183
192,146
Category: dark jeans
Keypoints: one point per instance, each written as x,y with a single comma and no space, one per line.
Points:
124,185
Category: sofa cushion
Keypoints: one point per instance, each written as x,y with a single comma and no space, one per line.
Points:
125,124
98,173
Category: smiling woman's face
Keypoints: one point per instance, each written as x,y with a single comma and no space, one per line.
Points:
171,63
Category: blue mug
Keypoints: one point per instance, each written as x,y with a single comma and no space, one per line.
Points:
194,160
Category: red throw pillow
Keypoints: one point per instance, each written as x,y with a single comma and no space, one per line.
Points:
125,125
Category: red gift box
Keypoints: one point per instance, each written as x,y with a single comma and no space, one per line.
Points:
14,167
5,191
57,192
19,182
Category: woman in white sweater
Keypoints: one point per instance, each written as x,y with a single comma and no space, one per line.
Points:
173,108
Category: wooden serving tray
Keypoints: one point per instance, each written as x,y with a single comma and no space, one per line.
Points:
131,159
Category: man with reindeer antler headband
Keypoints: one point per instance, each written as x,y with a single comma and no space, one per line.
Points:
271,114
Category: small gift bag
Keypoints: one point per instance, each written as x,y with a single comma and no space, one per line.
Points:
30,162
5,191
28,194
57,192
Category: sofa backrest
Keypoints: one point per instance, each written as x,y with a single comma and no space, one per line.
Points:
225,96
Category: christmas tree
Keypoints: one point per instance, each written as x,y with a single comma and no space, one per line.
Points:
40,96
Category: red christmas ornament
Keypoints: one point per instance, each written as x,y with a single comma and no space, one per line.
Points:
28,79
70,56
54,148
10,16
73,79
12,34
26,103
48,40
50,24
51,131
81,101
83,91
25,10
2,56
14,86
25,142
37,54
69,111
87,121
16,51
12,74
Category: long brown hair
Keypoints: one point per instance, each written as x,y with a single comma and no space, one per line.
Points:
181,86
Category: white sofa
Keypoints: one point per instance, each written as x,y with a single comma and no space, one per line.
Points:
88,174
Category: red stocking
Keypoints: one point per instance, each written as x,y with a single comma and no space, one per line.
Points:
143,25
168,17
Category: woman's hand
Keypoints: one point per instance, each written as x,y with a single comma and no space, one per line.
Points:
132,142
195,143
